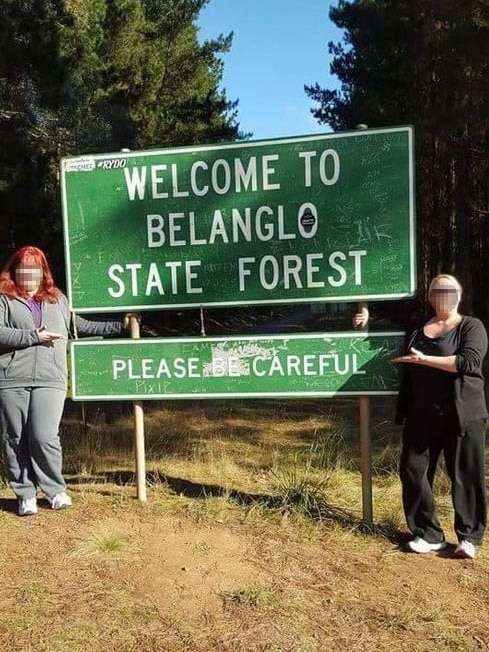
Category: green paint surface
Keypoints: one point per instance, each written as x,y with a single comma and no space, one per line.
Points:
309,219
319,364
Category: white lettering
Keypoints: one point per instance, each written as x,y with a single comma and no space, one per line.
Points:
175,228
174,178
135,182
118,366
329,180
254,366
266,234
226,174
154,281
358,265
307,156
156,235
113,269
281,226
242,272
244,226
276,366
190,275
268,171
199,191
133,268
245,176
156,181
218,228
269,285
332,262
193,237
307,220
293,365
292,267
313,269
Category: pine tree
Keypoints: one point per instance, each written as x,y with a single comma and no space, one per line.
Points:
85,76
425,63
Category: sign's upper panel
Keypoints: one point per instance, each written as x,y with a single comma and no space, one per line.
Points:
307,219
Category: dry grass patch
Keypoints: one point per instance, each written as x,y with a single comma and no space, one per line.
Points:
251,540
251,581
103,539
251,596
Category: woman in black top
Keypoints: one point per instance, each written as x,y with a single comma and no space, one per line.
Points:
442,404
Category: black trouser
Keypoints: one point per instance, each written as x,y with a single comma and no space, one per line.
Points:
424,438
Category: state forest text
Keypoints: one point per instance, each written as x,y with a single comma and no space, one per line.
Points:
201,242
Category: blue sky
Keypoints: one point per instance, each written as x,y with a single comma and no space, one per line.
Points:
278,46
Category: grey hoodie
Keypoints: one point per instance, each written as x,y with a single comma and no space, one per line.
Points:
24,360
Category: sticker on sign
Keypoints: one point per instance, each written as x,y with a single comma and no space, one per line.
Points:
82,164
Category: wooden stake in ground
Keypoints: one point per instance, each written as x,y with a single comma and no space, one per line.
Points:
365,448
139,430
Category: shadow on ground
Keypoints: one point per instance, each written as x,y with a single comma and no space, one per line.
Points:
322,512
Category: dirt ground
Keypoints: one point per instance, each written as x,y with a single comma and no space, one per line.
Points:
207,575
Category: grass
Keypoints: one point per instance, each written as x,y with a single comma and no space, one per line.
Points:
252,596
289,456
299,488
220,441
103,539
252,539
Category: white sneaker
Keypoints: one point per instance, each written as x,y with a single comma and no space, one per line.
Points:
465,550
421,546
60,501
27,506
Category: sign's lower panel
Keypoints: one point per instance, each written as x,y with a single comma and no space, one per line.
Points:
308,365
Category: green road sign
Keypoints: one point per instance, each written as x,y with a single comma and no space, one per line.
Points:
328,364
308,219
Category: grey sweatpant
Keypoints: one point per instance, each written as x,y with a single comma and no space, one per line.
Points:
31,417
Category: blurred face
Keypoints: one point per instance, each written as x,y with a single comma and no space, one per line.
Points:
28,276
444,296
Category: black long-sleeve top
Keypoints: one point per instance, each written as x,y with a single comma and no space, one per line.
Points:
468,384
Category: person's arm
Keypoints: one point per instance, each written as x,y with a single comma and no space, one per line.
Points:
468,359
441,362
473,348
15,338
93,325
18,338
99,325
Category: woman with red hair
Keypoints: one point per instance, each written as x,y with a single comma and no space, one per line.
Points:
34,328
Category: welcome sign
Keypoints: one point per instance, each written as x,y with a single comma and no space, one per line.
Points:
308,219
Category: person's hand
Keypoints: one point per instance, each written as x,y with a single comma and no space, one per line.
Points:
360,319
128,316
47,336
414,357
